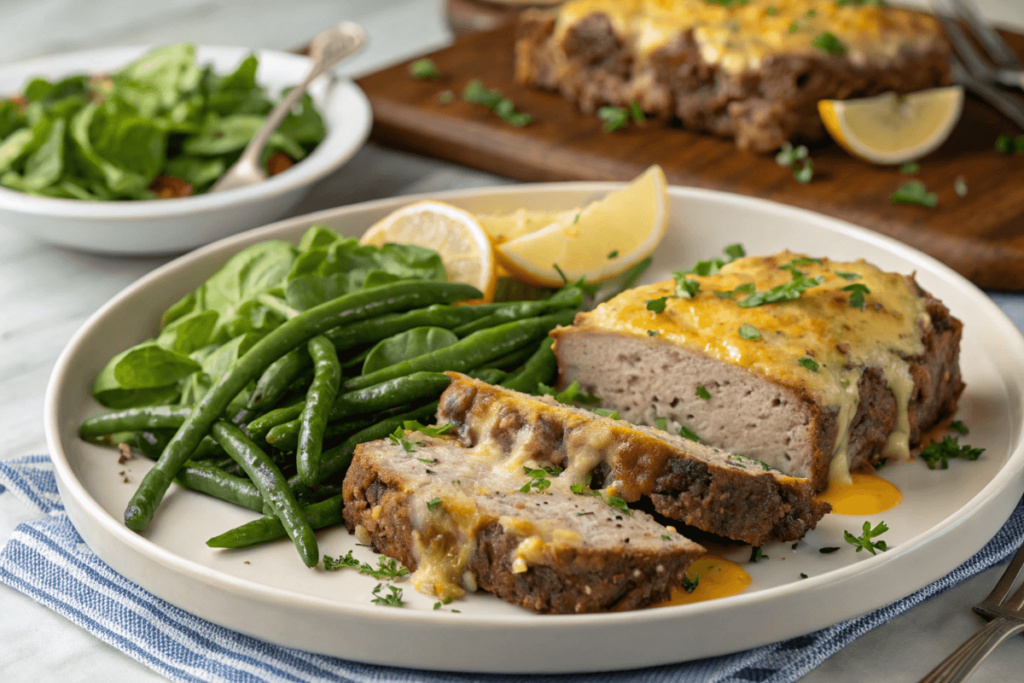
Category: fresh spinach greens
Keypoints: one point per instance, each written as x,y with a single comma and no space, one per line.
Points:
162,126
406,345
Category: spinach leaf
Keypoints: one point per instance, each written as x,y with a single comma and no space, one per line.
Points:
155,82
229,134
11,118
214,362
150,365
45,166
14,147
199,172
406,345
121,182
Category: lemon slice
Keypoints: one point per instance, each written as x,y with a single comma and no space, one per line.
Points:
453,233
600,241
521,222
891,128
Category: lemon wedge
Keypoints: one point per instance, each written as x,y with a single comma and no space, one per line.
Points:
510,226
605,238
891,128
453,233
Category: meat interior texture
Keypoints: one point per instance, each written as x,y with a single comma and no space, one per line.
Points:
592,64
460,521
703,487
784,424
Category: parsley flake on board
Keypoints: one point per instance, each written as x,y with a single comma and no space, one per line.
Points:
433,503
603,412
658,305
796,158
910,168
688,433
424,69
332,565
857,292
636,112
416,426
476,93
394,599
915,192
614,118
749,332
446,97
572,393
398,438
756,554
960,186
703,393
1008,145
808,363
864,542
690,585
937,454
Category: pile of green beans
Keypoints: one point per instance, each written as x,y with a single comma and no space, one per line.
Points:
277,432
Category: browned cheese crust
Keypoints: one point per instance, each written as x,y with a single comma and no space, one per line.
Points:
761,109
707,489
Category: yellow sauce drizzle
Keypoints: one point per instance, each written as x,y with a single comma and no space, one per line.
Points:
868,494
716,576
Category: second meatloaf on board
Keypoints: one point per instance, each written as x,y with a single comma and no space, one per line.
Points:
753,71
703,487
810,365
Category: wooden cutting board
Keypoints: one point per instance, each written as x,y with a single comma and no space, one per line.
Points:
980,235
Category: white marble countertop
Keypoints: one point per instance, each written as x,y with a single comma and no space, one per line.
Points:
48,293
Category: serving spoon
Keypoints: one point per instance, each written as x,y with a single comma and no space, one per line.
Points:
326,50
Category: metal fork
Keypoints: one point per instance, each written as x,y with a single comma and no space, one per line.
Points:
1007,619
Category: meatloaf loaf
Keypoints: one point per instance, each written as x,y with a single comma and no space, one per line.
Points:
727,495
753,71
810,365
462,521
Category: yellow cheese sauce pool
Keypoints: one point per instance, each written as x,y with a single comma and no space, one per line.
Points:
716,577
867,494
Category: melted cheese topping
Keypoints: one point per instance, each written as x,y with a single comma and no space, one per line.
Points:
866,494
716,578
741,37
820,324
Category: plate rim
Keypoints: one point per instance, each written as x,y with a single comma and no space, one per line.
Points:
1009,472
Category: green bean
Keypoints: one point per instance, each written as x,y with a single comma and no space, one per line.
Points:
394,393
384,326
338,458
353,307
541,367
260,428
208,448
319,403
268,528
567,297
470,352
215,482
278,377
489,375
134,420
357,360
272,486
514,360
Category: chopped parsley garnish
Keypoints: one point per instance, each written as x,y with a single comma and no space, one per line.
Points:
806,261
747,288
960,427
756,554
613,414
576,219
857,293
424,69
960,186
614,118
398,438
476,93
915,192
433,503
428,461
808,363
661,423
539,478
685,287
703,393
666,537
652,333
572,393
749,332
864,542
331,564
636,112
827,42
446,97
794,27
785,292
712,266
727,3
880,464
614,502
688,433
802,575
387,568
690,585
848,276
1009,145
796,158
394,599
795,545
416,426
614,253
910,168
937,454
771,11
437,605
581,514
827,551
658,305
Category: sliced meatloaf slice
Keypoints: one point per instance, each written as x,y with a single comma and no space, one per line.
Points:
704,487
463,520
848,372
753,71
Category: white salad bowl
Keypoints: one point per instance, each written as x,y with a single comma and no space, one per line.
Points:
164,226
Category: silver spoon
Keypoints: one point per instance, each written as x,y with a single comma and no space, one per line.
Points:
326,49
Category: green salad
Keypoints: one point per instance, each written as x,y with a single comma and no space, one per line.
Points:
162,126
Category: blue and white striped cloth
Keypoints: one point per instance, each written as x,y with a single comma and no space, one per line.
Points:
47,560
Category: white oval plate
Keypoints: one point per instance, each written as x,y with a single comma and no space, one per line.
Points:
945,517
163,226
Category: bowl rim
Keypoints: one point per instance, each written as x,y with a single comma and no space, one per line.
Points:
329,155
